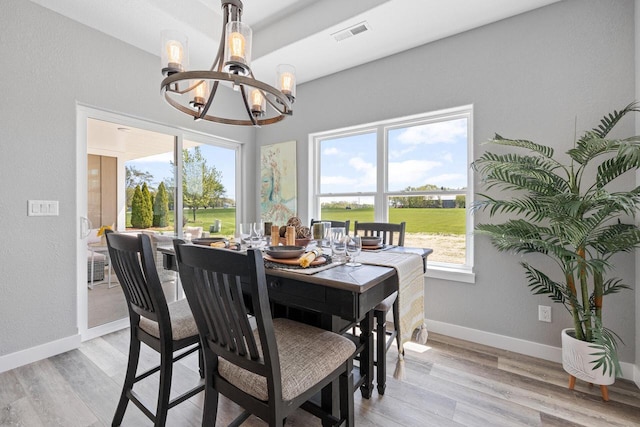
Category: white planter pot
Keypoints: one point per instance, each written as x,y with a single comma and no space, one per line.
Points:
577,360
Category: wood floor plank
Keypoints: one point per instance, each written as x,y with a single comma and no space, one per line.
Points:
52,396
551,399
448,383
513,412
20,412
10,388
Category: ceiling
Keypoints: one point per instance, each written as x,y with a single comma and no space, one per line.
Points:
297,32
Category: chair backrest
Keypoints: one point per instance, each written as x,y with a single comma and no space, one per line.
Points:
132,257
387,231
344,224
213,281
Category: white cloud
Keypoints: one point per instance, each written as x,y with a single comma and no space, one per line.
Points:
332,151
434,133
411,172
366,172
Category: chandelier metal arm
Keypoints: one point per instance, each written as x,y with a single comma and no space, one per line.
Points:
223,69
205,109
246,105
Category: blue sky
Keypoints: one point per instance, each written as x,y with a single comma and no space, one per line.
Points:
434,153
222,158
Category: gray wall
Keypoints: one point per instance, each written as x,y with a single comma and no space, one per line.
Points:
48,64
528,77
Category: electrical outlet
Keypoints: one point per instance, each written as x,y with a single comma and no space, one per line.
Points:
544,313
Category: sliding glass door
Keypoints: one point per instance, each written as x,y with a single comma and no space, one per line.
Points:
162,184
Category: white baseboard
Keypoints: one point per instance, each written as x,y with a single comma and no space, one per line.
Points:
529,348
33,354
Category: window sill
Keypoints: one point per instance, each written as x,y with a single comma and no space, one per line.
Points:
454,274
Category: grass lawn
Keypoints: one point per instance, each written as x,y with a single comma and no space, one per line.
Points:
419,220
430,221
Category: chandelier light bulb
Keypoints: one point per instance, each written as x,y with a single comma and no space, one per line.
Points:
175,52
237,55
287,80
257,102
200,93
236,47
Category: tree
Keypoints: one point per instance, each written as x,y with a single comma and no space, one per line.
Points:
134,177
161,207
201,184
147,207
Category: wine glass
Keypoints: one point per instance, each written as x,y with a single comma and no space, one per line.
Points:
338,247
353,246
258,232
245,230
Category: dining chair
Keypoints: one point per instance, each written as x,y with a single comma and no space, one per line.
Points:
269,370
166,328
391,234
344,224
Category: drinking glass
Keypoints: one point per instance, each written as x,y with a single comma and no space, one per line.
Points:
318,232
338,246
326,241
354,246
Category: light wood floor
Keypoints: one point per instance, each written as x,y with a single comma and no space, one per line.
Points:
449,382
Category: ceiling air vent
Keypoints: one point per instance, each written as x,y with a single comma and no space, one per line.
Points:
351,31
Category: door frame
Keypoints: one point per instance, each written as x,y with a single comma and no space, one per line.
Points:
83,114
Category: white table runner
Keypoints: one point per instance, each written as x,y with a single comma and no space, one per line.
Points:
409,270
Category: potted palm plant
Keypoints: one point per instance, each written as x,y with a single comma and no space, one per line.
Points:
570,214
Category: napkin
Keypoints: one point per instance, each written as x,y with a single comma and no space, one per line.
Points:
306,259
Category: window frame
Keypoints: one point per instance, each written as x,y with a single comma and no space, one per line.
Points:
440,270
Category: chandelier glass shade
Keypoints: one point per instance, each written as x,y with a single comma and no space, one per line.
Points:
193,92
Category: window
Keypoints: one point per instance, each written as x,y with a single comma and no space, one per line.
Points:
413,169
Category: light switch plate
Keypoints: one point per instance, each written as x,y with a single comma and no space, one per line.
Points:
42,208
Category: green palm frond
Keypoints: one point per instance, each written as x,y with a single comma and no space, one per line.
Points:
616,238
529,207
612,168
541,284
608,122
606,345
613,286
544,150
590,146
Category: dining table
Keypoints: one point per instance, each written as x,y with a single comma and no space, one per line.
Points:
336,298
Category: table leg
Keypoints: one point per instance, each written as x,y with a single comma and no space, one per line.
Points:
366,357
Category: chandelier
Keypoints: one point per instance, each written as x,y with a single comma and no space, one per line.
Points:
193,92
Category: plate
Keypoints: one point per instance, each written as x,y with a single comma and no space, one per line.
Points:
295,261
284,252
370,248
207,241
